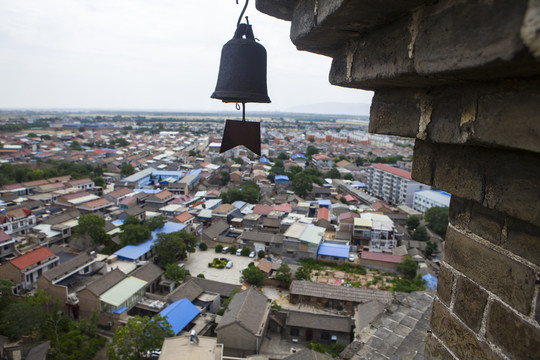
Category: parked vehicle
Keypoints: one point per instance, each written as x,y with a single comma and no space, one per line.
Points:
252,254
239,252
225,250
229,265
351,258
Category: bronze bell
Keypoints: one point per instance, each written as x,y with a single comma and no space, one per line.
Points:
242,70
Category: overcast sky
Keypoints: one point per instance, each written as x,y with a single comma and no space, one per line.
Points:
142,54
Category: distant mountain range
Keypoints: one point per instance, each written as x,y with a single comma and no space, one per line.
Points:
332,108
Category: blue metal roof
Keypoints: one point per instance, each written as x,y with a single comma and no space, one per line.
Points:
239,204
431,281
264,160
335,250
133,252
324,202
120,310
179,314
297,156
281,178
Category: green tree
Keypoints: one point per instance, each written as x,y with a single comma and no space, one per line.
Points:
303,273
92,227
138,337
412,222
283,156
134,234
225,178
156,222
24,317
420,234
261,254
130,220
218,248
246,251
75,145
302,185
99,181
431,247
175,273
409,267
169,247
283,274
253,275
333,173
311,150
5,292
203,246
348,176
437,219
127,169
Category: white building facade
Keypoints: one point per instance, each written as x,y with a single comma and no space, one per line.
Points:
393,185
425,199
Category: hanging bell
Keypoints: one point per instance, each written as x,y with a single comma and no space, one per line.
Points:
242,70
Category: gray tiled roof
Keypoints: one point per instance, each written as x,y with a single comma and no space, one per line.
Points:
107,281
308,354
189,289
319,321
217,287
149,272
68,267
216,229
247,308
401,330
259,236
336,292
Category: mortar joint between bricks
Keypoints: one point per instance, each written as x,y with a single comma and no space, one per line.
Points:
498,249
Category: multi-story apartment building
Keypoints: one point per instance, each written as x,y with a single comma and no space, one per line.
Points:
17,221
425,199
393,185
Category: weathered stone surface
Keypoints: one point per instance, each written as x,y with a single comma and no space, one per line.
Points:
455,36
436,351
486,223
523,239
282,9
512,184
424,161
470,303
457,337
459,213
518,338
512,281
508,115
444,285
459,172
396,112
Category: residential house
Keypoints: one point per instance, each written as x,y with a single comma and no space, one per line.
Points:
393,185
302,240
225,212
117,195
322,161
179,314
7,247
149,272
17,221
83,184
88,297
333,252
334,296
25,269
94,205
381,261
258,240
251,221
160,198
244,323
321,328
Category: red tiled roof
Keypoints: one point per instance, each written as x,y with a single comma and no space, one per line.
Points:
348,215
392,170
283,207
262,209
4,236
163,195
324,213
32,257
97,203
183,217
366,255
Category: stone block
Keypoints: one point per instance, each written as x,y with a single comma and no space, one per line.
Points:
512,184
519,339
425,154
282,9
507,115
487,223
470,303
459,213
395,112
447,105
436,351
523,239
444,285
459,171
456,36
509,279
456,336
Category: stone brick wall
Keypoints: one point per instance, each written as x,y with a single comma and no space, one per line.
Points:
462,78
